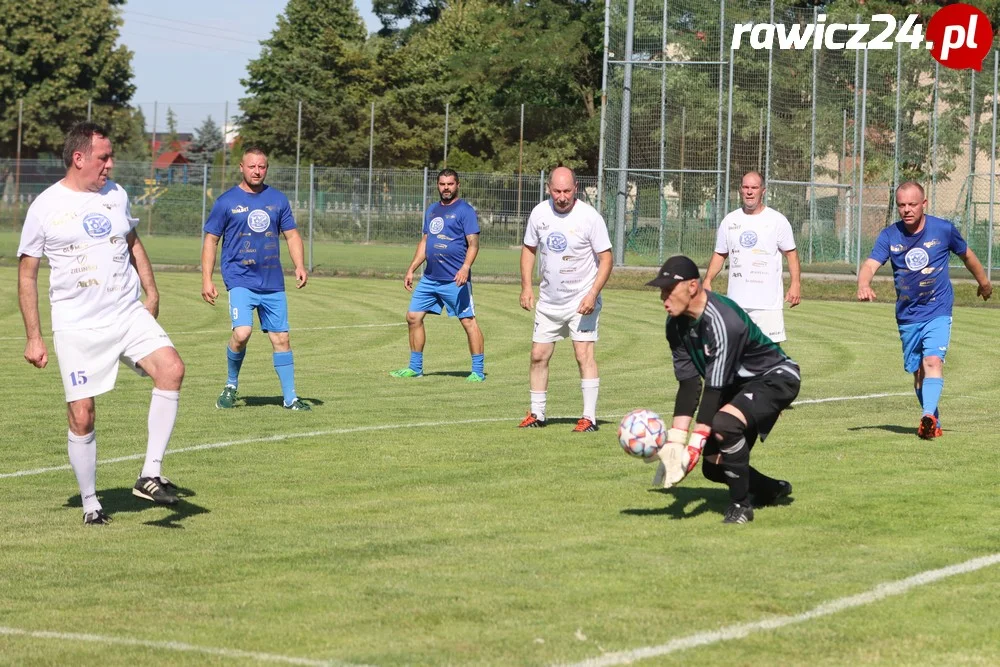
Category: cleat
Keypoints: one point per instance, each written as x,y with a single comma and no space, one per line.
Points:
297,404
584,425
227,399
938,432
167,484
406,373
475,377
738,513
784,490
928,429
148,488
96,518
531,421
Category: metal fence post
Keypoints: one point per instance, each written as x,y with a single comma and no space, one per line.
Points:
604,107
861,166
812,148
934,134
767,137
541,186
624,136
204,202
371,154
312,200
298,154
993,171
423,203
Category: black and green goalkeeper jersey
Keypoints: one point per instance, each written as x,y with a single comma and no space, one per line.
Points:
723,346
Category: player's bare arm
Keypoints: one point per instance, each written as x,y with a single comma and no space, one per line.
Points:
589,301
462,276
419,257
527,266
296,250
714,267
975,267
208,249
140,261
794,295
868,269
35,352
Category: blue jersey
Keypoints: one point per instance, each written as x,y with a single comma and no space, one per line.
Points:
920,267
446,228
250,225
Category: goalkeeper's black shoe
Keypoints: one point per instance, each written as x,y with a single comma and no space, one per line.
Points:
738,513
149,488
96,518
782,490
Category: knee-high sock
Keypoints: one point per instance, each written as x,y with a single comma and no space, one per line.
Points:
83,460
162,415
590,388
931,389
478,363
234,361
284,366
538,403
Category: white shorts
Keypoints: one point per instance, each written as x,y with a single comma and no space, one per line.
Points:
88,358
554,323
771,322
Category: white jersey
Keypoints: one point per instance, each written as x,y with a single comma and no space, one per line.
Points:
754,244
568,244
92,282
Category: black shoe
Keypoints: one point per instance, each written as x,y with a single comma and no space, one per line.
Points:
167,484
738,513
297,404
96,518
149,488
783,490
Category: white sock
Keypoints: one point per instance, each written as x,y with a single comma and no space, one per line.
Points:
538,404
162,415
590,388
83,460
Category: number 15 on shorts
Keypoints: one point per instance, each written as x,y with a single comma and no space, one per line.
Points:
78,378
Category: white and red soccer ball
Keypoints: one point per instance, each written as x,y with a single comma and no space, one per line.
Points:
642,433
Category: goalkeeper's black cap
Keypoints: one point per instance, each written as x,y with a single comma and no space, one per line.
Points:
675,270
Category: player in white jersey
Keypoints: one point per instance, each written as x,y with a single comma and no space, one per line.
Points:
572,240
83,225
754,237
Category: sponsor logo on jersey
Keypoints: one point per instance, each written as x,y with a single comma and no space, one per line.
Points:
556,242
92,282
258,220
441,246
97,225
916,259
442,237
748,239
83,268
929,270
737,275
437,224
239,209
932,243
896,247
247,248
115,240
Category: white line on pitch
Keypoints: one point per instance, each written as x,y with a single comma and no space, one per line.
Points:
234,654
355,429
880,592
210,331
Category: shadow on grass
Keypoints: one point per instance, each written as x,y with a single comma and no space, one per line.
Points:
260,401
121,501
452,374
690,502
891,428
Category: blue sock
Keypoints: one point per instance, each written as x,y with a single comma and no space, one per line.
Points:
284,366
920,398
234,363
417,362
932,395
477,363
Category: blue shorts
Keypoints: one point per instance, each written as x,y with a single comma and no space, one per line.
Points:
272,309
924,339
430,295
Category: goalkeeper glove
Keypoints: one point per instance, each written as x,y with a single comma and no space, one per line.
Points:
671,467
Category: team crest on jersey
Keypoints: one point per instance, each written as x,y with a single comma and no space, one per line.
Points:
437,224
258,220
748,239
916,259
556,242
96,225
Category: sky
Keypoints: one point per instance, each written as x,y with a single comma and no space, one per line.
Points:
190,55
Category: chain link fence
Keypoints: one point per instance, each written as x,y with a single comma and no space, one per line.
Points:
833,131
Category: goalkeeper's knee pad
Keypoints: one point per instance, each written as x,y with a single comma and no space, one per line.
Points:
730,435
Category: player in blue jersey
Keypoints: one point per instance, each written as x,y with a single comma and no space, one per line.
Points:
250,218
918,247
449,245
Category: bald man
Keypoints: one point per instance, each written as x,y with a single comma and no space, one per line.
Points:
571,239
754,237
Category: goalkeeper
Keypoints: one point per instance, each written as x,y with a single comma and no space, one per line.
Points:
748,382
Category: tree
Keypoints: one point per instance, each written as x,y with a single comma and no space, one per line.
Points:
207,141
317,54
170,141
56,56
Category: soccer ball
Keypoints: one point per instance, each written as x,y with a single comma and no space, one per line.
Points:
642,433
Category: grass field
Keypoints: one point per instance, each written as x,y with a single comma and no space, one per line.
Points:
408,522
